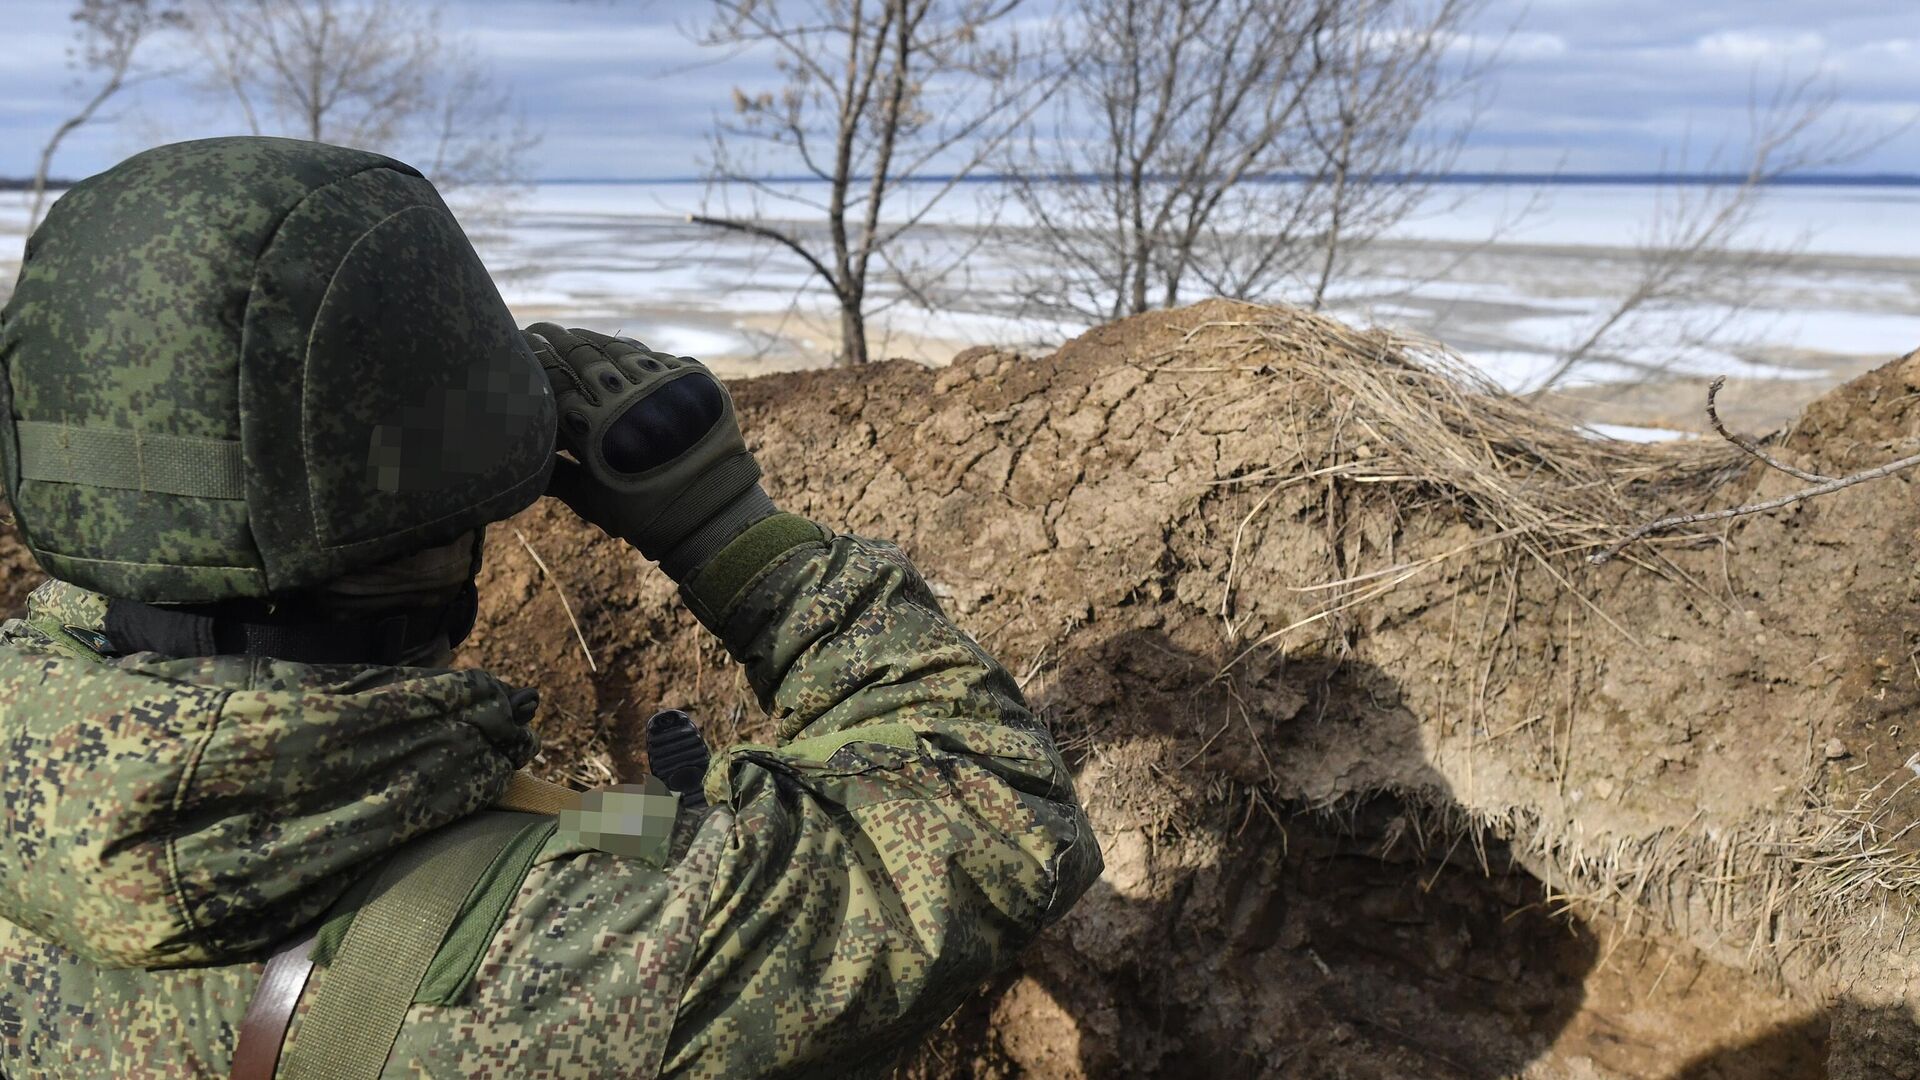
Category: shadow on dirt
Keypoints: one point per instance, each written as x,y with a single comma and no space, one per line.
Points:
1858,1042
1262,941
1793,1050
1236,938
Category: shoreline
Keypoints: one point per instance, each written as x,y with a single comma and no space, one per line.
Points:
1813,319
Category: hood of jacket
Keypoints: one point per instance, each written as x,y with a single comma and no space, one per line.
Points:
163,812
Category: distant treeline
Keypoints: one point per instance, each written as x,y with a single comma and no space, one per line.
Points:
9,183
1574,179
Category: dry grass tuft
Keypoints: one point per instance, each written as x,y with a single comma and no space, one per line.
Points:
1847,857
1448,430
1411,426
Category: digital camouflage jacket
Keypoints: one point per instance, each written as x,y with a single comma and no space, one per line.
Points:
169,819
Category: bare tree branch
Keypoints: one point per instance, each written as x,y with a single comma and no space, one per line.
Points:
1826,486
877,94
1246,146
377,74
1696,243
768,233
111,33
1751,447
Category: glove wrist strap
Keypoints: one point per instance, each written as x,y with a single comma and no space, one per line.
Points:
728,522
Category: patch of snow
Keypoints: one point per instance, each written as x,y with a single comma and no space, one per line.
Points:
1630,433
1522,369
682,340
982,328
1399,311
1657,341
1680,359
1848,333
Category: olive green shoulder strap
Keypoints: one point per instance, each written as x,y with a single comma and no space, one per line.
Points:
357,1012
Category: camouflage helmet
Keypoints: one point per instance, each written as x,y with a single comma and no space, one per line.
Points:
242,367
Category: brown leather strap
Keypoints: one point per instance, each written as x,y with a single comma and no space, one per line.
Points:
264,1028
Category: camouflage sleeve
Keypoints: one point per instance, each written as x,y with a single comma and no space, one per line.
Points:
913,829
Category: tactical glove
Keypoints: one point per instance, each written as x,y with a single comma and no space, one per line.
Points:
660,459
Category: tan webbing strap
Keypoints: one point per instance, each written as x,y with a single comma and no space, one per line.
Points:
135,460
529,794
264,1028
359,1008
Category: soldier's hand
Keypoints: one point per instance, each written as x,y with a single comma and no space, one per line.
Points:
658,456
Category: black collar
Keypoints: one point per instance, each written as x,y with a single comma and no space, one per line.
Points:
133,627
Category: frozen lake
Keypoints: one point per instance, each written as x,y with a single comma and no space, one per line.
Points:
623,257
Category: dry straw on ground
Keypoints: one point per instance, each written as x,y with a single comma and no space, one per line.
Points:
1452,432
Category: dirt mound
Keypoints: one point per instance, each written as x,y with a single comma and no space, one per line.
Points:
1390,782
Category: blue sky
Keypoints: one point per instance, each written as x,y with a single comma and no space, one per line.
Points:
1585,85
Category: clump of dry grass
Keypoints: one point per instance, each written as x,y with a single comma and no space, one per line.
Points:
1413,426
1859,854
1448,430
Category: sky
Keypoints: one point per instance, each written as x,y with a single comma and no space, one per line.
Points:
619,90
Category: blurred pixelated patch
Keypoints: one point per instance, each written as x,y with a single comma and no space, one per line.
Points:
461,430
633,821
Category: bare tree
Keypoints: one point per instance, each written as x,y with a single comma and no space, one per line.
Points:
111,33
1243,147
1695,254
377,74
878,94
1375,143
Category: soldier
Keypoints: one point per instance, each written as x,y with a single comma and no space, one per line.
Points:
261,401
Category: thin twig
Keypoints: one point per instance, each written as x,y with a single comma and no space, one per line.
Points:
1788,499
1751,447
754,228
562,594
1822,485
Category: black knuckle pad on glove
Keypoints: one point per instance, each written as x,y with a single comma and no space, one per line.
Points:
664,424
624,407
607,378
640,360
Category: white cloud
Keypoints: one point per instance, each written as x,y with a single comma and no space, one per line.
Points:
1749,46
1521,45
1895,47
639,50
1581,85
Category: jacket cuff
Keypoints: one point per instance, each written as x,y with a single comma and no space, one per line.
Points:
716,587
